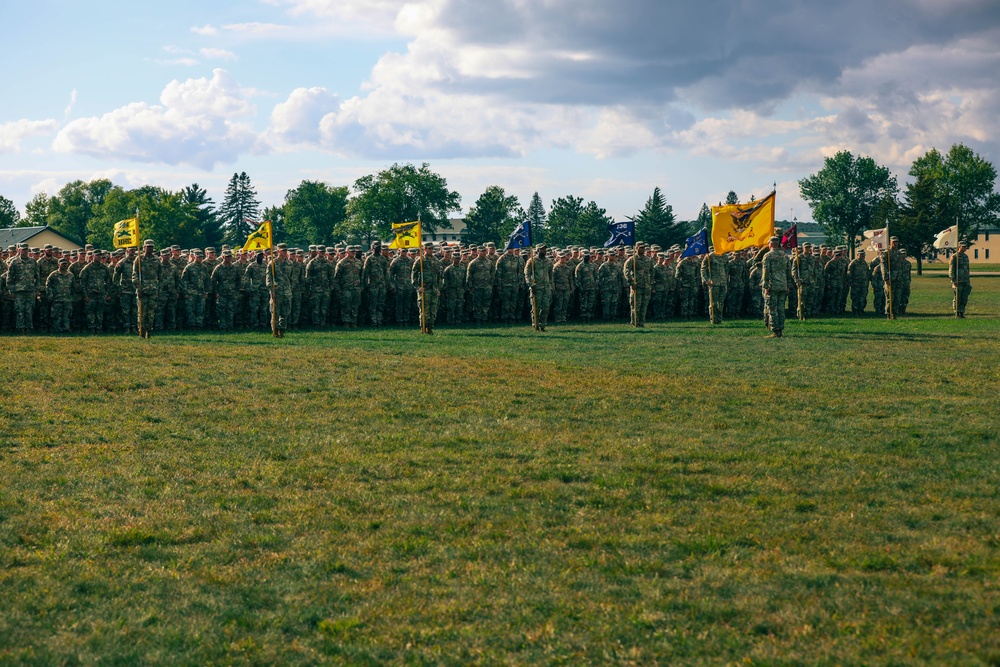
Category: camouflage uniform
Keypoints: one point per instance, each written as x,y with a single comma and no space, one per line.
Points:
399,283
59,291
609,279
835,273
960,275
638,274
376,280
586,284
562,290
146,275
479,282
433,274
906,275
507,277
776,276
278,276
878,286
687,285
255,283
122,277
194,281
22,283
347,278
319,282
891,263
538,276
715,268
858,278
94,282
226,284
453,282
297,277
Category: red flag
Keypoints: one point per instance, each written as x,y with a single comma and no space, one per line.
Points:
790,239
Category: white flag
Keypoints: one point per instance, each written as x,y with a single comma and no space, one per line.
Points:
878,239
948,239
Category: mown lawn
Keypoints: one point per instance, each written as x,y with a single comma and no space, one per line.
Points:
593,495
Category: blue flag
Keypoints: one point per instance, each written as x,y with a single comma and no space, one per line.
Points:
697,244
622,233
520,237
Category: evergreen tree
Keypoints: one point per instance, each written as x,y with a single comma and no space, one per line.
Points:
493,217
203,210
536,215
9,215
656,223
240,209
560,227
704,218
732,198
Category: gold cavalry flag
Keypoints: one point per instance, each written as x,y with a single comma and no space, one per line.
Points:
126,233
260,238
740,226
408,234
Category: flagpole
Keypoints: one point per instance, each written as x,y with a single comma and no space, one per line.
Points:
534,297
711,298
423,290
274,293
888,279
798,268
140,307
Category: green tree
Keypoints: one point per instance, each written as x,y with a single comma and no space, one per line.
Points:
922,215
9,215
203,209
240,209
732,198
656,222
401,193
70,211
536,215
164,216
314,212
36,212
562,220
964,188
846,193
493,217
592,226
704,218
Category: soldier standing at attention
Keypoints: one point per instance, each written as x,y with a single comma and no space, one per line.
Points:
227,280
961,279
562,286
687,285
479,284
426,277
255,283
715,277
319,280
453,282
59,292
859,277
775,277
508,280
194,281
638,274
906,275
122,276
278,277
22,283
538,277
586,284
93,280
376,279
891,262
878,285
399,284
147,271
347,278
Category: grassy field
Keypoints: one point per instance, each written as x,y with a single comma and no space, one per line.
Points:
594,495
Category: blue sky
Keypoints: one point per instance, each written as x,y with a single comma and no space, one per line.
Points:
599,99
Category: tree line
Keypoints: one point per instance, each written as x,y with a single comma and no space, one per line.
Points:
853,193
318,212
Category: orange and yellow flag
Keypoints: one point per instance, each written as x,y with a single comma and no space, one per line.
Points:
740,226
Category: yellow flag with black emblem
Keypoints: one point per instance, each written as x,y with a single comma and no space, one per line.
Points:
126,233
408,234
260,238
741,226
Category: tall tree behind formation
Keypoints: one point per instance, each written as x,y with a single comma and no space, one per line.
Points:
656,222
732,198
203,209
846,194
536,215
313,212
239,206
493,216
965,188
9,215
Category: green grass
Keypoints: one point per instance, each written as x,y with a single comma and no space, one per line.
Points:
679,494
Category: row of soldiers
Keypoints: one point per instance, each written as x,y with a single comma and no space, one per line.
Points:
99,291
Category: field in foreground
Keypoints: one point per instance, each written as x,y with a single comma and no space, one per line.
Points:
679,494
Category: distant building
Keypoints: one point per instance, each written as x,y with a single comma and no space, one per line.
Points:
456,233
986,242
36,237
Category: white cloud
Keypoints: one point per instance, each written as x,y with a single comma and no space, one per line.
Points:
69,107
207,30
257,29
13,133
199,122
217,54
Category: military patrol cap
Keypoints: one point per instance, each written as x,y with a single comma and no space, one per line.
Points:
640,244
165,252
175,247
428,244
585,253
541,246
211,249
318,248
47,246
473,247
35,250
902,251
226,252
893,238
89,246
22,246
63,261
197,253
773,239
861,251
491,244
148,242
963,244
655,248
376,244
807,245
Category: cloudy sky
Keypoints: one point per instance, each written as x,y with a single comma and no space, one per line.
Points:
603,99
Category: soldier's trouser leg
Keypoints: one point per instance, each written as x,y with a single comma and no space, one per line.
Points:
146,316
320,307
225,308
283,303
587,297
349,306
59,312
403,306
560,299
774,304
638,303
376,304
481,297
541,302
24,310
961,300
